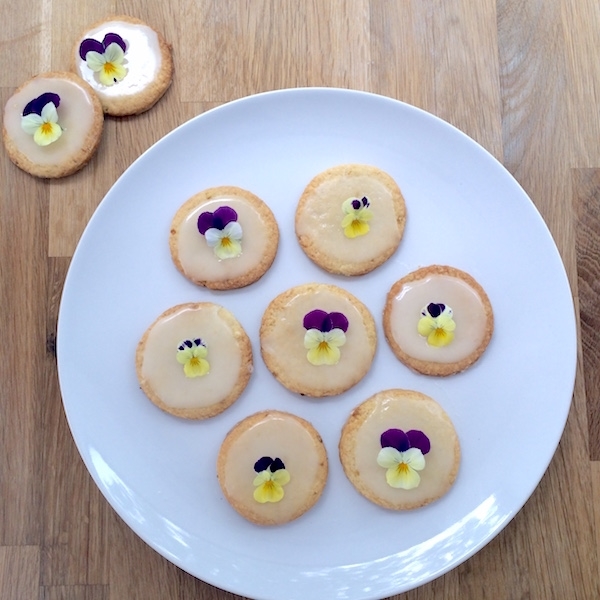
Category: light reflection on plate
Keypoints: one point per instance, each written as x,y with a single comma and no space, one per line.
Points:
463,208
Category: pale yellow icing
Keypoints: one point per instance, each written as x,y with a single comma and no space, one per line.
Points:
143,58
75,115
393,413
468,314
319,220
276,435
198,259
165,375
284,343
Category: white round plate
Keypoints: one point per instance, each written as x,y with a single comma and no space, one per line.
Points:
464,209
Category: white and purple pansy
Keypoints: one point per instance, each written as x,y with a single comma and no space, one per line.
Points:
40,119
270,479
402,454
222,232
192,355
105,58
437,324
326,332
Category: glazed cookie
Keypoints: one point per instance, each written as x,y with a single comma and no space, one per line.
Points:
127,62
350,219
224,238
52,125
272,467
400,450
194,361
317,339
438,320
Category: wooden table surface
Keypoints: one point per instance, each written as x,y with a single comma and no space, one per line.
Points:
521,78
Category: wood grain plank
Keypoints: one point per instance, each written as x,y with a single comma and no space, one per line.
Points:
266,45
22,281
75,592
586,202
74,544
19,572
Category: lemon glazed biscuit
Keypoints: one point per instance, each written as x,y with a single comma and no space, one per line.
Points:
438,320
350,219
272,467
400,450
127,63
317,339
52,125
224,238
195,360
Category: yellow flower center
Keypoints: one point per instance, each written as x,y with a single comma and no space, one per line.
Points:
109,68
46,128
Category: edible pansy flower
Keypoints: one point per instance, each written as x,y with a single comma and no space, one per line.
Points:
436,324
270,479
105,57
222,232
192,355
403,455
357,217
326,332
40,119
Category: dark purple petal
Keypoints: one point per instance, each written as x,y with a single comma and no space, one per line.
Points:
365,201
276,465
89,45
435,310
339,321
418,439
198,342
37,104
262,464
315,319
188,343
113,38
395,438
222,216
355,204
205,222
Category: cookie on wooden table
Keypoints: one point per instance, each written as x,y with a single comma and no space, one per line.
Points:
272,467
195,360
52,125
400,450
350,219
438,320
127,63
317,339
224,238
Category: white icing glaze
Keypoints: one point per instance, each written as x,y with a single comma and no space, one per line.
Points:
279,436
284,344
75,115
143,58
387,412
198,258
319,220
165,375
469,316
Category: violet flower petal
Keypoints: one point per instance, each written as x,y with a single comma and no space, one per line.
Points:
224,215
262,464
276,465
89,45
418,439
435,310
114,38
339,321
37,104
314,319
395,438
205,222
